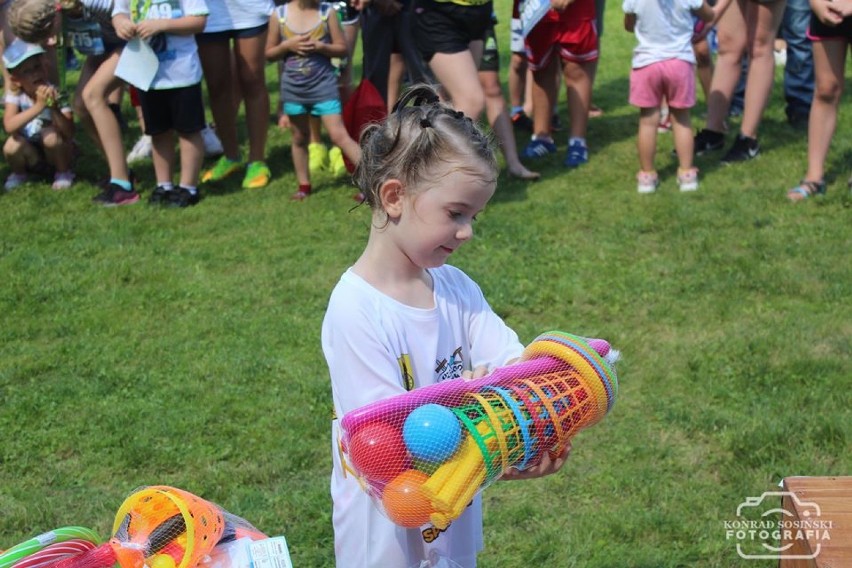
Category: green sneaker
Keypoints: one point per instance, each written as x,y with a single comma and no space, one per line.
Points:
221,169
317,157
257,175
336,164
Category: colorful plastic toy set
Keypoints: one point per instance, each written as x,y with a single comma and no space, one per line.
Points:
155,527
424,455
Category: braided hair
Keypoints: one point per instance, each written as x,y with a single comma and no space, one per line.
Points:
419,132
32,20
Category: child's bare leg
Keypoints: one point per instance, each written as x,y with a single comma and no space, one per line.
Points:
829,63
163,155
543,97
300,137
457,73
251,63
340,137
578,83
732,47
102,82
765,19
191,157
218,74
57,150
501,124
19,154
646,140
703,65
89,67
683,140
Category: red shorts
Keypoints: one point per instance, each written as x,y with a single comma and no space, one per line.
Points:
672,80
576,40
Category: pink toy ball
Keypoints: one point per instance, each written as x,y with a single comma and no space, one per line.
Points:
432,433
378,452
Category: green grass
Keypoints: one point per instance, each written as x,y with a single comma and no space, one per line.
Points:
142,346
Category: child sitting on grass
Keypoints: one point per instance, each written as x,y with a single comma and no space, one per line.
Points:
40,126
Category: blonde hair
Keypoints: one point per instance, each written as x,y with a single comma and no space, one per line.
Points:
32,20
419,132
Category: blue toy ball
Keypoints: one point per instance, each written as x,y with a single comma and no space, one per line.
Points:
432,433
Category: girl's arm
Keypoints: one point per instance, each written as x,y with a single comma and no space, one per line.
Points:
276,48
15,119
705,13
337,47
64,123
186,25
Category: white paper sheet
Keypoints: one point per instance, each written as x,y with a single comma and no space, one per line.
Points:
138,64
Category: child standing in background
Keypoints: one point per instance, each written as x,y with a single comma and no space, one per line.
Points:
40,126
174,101
831,33
426,172
664,70
306,34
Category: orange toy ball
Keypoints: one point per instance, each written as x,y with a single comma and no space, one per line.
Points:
404,501
378,452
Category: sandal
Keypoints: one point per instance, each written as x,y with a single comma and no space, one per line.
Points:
806,189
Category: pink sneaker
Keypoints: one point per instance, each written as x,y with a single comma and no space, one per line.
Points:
647,182
63,180
687,180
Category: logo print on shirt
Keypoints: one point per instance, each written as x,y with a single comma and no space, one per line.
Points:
406,370
451,368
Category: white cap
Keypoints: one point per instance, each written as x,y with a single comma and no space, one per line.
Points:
19,51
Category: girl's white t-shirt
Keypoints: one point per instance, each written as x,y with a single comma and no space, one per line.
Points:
663,30
375,348
226,15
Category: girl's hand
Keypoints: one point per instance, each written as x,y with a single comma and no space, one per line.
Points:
545,467
46,96
843,8
477,373
824,11
149,28
299,44
124,27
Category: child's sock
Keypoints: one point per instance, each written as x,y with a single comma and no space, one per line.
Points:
542,137
167,185
576,139
190,188
123,184
517,109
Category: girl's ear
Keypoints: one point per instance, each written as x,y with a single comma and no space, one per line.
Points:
391,195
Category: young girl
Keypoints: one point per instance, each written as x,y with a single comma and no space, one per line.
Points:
426,172
40,128
663,69
831,33
307,34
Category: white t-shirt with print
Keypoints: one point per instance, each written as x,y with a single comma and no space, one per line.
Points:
374,346
226,15
32,130
663,30
178,55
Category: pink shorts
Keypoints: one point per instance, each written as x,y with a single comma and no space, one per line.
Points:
672,80
576,41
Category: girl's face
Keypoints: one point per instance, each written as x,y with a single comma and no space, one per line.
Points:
30,75
436,220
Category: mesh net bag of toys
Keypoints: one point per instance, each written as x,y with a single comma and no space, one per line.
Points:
156,527
424,454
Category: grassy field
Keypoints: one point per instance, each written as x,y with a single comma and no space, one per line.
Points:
144,346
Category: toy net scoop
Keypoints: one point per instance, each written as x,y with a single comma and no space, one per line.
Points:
424,454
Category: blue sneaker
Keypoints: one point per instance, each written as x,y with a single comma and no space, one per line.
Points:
578,154
539,148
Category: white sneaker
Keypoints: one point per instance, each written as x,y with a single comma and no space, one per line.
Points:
212,144
14,180
141,150
63,180
780,57
647,182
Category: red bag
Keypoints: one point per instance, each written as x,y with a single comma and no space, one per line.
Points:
364,106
